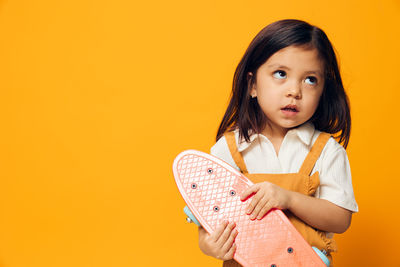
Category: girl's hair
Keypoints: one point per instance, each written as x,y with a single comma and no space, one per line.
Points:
333,112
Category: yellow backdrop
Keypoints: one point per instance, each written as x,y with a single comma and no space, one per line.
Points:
98,97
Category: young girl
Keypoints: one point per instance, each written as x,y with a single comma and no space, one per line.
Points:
287,99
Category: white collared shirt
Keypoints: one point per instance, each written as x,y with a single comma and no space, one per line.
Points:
333,165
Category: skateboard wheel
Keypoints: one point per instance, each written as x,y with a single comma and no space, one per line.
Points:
190,217
322,256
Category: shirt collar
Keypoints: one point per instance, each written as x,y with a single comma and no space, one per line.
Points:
304,132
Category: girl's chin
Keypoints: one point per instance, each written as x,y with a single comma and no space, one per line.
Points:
290,125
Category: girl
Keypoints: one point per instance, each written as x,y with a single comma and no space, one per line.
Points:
287,99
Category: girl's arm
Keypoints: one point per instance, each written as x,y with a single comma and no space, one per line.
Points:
318,213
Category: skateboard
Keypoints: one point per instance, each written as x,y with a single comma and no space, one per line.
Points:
211,189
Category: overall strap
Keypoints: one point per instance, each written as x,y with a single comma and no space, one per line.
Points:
314,153
236,155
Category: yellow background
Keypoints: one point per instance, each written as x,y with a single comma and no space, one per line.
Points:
98,97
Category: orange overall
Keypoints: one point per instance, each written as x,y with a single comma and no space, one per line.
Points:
300,182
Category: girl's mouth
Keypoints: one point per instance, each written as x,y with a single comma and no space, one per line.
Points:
290,110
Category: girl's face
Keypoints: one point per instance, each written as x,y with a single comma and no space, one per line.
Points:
288,87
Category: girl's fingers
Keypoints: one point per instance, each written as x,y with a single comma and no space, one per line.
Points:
264,210
217,233
230,253
259,206
246,193
226,234
254,202
229,242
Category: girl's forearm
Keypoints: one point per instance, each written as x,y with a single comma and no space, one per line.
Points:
320,213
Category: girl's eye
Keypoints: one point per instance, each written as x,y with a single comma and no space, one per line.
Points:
311,80
279,74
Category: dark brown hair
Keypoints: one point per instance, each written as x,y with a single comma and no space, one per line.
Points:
333,112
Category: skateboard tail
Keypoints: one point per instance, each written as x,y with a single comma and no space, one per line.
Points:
182,186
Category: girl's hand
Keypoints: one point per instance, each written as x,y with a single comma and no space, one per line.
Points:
219,244
267,196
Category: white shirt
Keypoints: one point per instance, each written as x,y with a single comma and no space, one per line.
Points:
333,165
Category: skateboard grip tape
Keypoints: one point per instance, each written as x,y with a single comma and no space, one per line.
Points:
211,189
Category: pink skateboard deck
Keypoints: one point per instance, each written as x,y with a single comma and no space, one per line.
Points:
211,189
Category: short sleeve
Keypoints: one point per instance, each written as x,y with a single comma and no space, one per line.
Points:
221,151
335,177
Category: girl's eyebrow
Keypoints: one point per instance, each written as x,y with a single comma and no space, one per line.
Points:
313,72
279,66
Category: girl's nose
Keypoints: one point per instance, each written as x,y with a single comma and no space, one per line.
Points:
294,91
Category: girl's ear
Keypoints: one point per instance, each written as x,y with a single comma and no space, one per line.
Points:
251,84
